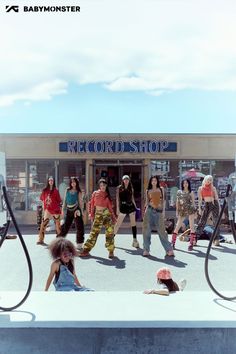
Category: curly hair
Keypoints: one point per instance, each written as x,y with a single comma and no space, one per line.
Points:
60,245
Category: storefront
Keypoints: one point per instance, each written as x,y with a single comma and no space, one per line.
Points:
31,158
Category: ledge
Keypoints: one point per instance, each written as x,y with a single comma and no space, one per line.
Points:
118,310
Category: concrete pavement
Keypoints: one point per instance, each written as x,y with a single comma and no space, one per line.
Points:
128,271
118,318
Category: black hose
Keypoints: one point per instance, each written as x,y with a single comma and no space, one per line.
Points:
210,244
25,251
4,235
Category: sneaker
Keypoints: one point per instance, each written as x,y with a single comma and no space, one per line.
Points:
80,246
146,253
11,237
41,243
135,243
111,255
190,247
84,253
182,284
170,253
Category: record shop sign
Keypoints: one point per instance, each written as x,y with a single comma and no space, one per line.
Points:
117,146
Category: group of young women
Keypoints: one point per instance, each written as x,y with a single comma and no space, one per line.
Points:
101,213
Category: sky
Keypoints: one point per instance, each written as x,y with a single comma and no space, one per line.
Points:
153,66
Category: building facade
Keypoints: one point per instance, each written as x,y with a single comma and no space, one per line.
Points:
31,158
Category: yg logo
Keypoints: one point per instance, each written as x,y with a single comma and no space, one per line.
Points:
13,7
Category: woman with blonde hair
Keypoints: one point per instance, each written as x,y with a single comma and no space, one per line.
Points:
207,193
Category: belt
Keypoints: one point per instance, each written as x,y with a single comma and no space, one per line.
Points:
157,210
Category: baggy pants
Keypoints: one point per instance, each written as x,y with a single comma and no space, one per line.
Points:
153,219
210,207
79,223
102,218
46,217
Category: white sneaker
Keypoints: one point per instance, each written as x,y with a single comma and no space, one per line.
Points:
135,243
79,246
182,284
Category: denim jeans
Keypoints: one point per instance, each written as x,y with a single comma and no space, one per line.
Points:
153,219
66,281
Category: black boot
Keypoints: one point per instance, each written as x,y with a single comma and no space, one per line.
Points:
135,241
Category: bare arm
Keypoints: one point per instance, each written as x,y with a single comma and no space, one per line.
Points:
76,280
133,199
80,202
177,204
216,197
75,277
199,199
146,200
117,201
157,291
53,271
193,199
164,201
64,203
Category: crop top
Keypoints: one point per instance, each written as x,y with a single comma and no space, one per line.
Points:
207,191
155,198
100,198
71,198
125,195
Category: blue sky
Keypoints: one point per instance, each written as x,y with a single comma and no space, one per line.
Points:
120,66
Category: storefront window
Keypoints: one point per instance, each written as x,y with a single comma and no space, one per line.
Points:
38,173
16,183
195,171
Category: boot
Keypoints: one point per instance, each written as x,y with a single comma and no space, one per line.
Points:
134,231
174,237
192,241
135,241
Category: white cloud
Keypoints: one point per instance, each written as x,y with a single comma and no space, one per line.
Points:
153,46
41,92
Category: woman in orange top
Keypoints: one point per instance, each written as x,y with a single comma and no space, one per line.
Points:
101,213
154,217
208,193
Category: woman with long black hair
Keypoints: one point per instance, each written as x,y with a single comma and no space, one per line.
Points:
185,208
51,208
125,205
154,217
72,206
